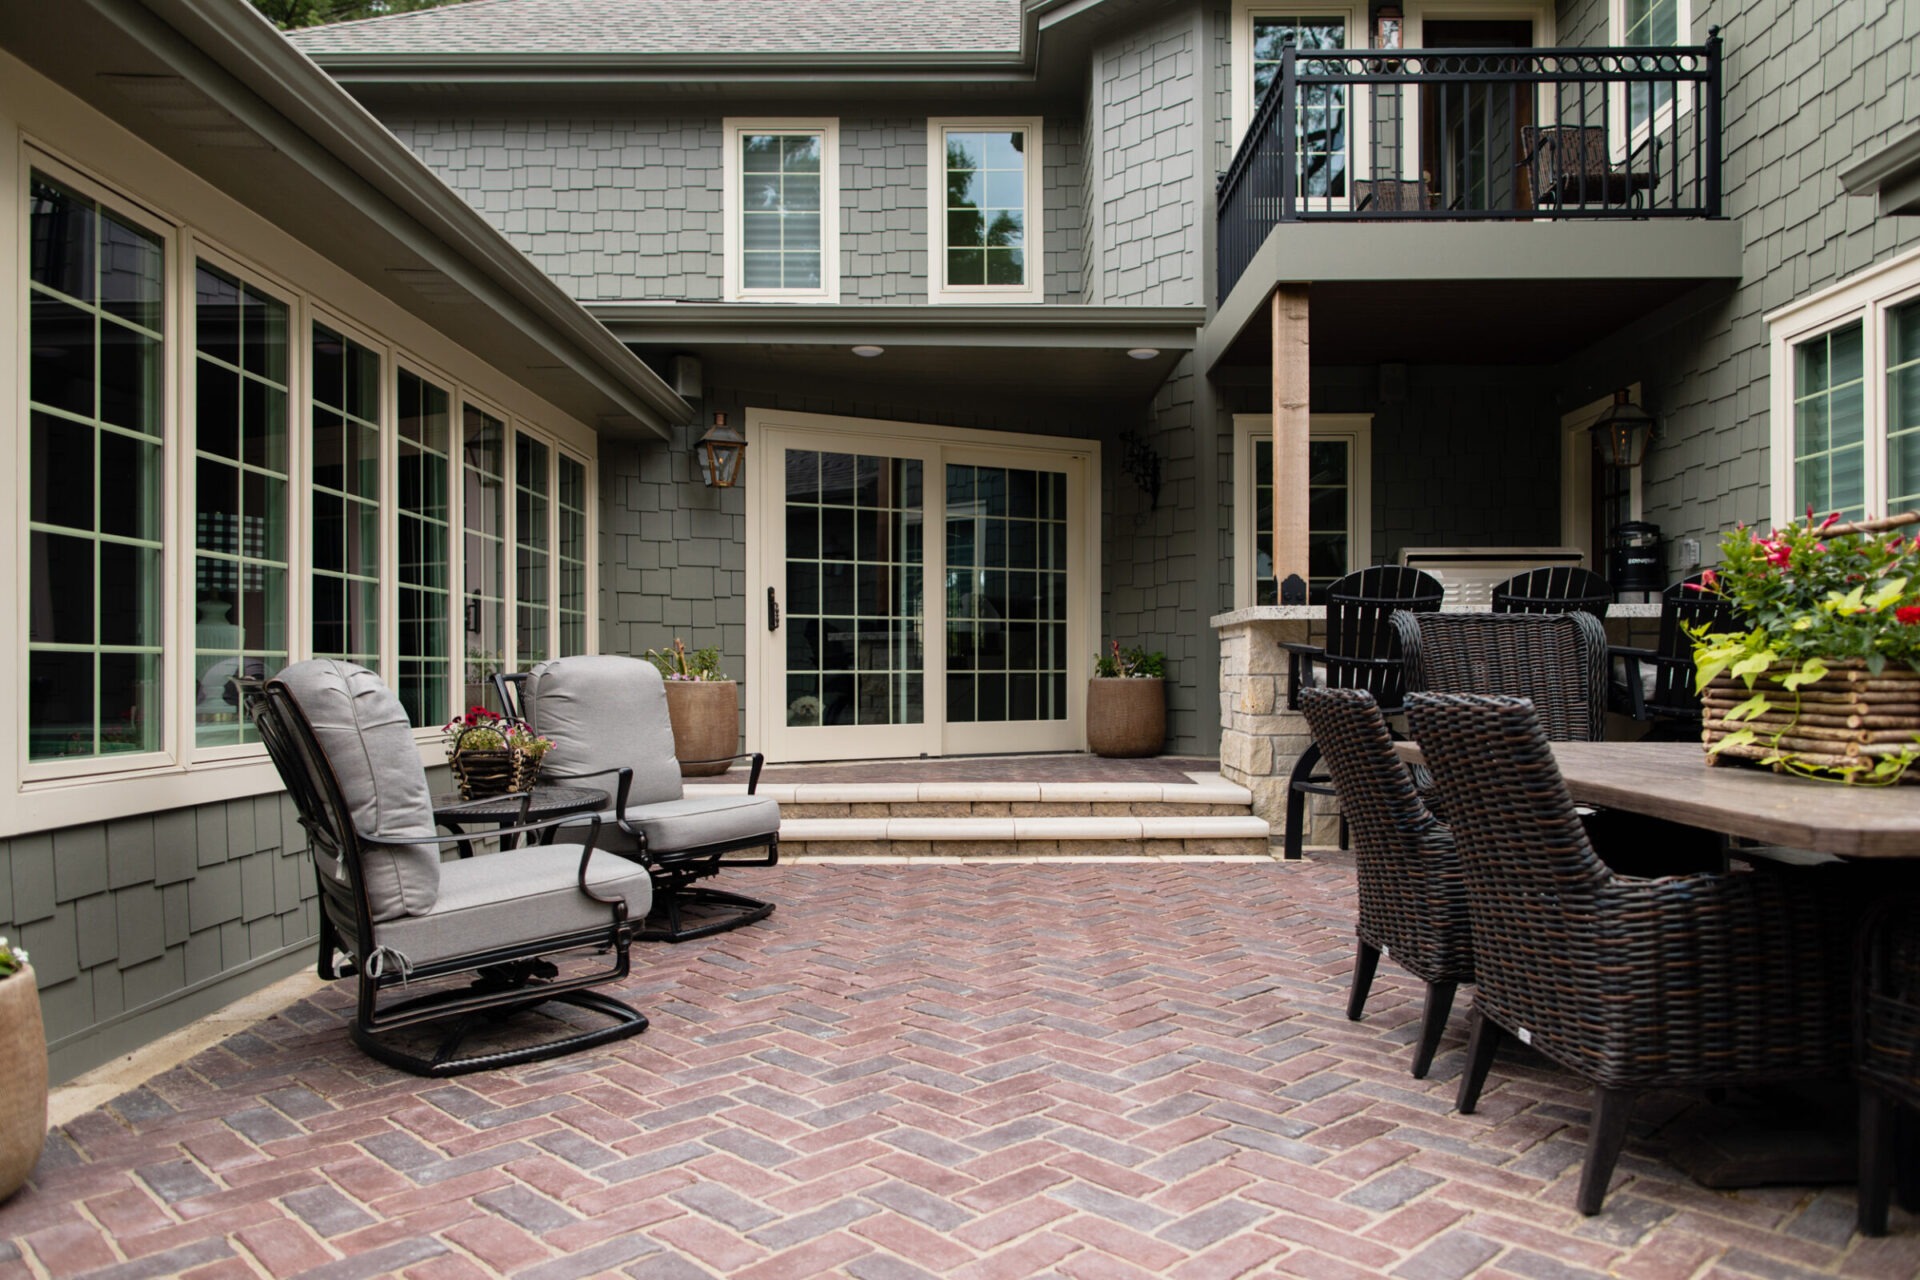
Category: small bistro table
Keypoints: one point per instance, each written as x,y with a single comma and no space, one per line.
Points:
450,811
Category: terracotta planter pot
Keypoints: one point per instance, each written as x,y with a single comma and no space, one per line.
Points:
1126,717
23,1085
706,723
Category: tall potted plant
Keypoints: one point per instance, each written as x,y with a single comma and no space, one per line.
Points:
703,703
23,1085
1127,703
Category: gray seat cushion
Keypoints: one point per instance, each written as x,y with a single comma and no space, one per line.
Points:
604,712
363,731
694,821
514,897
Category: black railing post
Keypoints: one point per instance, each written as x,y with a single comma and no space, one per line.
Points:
1710,122
1287,127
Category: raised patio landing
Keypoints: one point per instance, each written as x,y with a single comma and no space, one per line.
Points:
1070,767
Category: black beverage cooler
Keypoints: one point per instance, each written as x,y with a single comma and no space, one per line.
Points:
1635,565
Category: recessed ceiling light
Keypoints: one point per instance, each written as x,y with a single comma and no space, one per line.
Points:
868,352
1143,353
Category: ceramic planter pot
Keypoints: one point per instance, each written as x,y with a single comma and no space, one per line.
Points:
706,723
1126,717
23,1085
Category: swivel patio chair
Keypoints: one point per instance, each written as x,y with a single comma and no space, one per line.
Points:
1887,1055
1558,661
607,716
1702,981
1554,588
1668,702
1361,652
393,914
1413,896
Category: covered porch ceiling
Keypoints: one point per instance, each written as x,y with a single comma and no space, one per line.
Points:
1468,293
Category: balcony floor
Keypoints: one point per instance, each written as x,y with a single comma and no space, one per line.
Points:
1087,1070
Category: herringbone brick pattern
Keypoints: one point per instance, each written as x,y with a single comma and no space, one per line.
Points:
973,1071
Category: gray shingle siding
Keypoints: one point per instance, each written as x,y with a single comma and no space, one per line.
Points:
1149,137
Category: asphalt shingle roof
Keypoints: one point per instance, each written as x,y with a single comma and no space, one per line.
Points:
679,26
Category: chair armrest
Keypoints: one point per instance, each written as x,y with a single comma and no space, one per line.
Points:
1630,684
621,789
1300,659
545,824
753,778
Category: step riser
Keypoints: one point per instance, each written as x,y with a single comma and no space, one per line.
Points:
1015,809
1024,848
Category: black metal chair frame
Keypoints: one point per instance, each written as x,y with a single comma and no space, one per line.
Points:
675,872
508,979
1361,652
1412,890
1567,164
1554,588
1673,707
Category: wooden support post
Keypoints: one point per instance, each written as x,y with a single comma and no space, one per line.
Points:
1291,424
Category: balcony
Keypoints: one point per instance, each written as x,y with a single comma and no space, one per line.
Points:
1437,136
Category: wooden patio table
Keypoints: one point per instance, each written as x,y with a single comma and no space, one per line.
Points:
1673,780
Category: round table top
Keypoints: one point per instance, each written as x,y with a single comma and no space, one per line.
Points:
547,802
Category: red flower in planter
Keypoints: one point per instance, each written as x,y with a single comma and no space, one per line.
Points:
1908,614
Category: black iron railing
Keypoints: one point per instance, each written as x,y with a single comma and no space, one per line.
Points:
1475,134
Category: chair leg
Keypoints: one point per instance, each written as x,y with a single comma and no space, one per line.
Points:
735,910
1364,965
1483,1040
1297,799
1606,1134
1432,1023
1876,1161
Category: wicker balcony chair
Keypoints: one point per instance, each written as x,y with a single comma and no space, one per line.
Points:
393,915
1554,588
1685,981
1568,165
1887,1054
1413,896
1670,705
1557,660
1361,652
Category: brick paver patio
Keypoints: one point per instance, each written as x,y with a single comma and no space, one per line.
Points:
988,1070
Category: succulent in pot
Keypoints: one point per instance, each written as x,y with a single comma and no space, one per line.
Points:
1127,702
703,703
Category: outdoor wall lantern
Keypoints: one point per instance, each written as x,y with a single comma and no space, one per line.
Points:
720,451
1621,433
1141,464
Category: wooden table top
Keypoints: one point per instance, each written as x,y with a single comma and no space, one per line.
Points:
1672,780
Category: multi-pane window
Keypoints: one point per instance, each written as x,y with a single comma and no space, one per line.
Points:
1321,127
95,386
1829,422
572,557
1649,23
781,198
1903,407
484,597
241,573
982,190
1329,517
1006,594
425,417
532,536
345,439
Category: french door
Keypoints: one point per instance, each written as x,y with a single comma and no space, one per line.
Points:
916,591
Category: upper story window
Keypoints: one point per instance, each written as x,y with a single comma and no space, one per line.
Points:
1339,504
1846,396
983,190
1323,125
780,191
1650,24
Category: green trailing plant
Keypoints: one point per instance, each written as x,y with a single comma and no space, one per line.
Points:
483,730
1812,595
12,958
1136,663
682,663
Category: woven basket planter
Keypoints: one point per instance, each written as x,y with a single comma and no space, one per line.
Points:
1834,726
23,1085
492,773
1126,718
706,724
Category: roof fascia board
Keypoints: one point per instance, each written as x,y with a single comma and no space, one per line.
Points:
1892,161
1060,325
239,60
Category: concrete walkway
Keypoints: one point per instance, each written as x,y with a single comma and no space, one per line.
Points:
968,1070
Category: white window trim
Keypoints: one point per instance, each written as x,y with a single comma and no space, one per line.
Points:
1545,35
938,290
1865,297
1354,428
733,128
47,795
1244,12
1630,142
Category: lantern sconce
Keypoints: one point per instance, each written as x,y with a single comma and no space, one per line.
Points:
719,452
1620,434
1141,464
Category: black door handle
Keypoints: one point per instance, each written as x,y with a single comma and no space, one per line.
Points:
773,611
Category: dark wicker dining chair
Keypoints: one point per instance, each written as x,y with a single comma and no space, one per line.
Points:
1670,705
1886,1052
1361,652
1413,896
1700,980
1558,660
1554,588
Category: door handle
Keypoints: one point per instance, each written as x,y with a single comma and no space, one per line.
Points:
773,611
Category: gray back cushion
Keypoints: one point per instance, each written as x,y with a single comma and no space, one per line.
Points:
363,732
603,711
